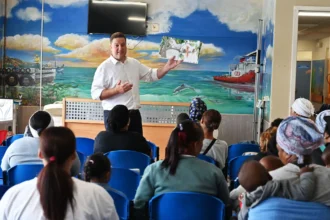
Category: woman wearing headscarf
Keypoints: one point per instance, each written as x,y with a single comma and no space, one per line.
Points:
322,122
196,109
297,138
303,108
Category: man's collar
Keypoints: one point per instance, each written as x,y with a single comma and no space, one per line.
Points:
115,61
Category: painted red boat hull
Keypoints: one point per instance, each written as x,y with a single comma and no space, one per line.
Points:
245,78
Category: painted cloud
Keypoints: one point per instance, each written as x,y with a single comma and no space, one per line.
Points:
29,42
32,14
99,50
71,41
65,3
269,52
237,14
211,51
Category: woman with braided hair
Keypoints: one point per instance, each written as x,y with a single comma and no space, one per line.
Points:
181,170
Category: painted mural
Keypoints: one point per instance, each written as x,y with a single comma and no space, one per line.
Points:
267,54
318,68
227,29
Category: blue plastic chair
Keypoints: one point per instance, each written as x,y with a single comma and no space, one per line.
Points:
2,153
82,158
207,159
3,190
186,206
237,150
85,145
23,172
234,165
13,138
154,149
121,203
128,159
124,180
279,208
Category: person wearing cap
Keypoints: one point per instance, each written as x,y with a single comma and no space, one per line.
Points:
118,137
303,108
25,150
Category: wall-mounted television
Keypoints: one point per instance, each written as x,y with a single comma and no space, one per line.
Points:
107,17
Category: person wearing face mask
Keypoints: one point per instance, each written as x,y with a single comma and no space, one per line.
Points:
116,81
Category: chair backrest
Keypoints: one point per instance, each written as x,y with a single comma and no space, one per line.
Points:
186,206
82,158
23,172
13,138
3,190
85,145
236,150
3,135
279,208
129,159
234,165
207,159
121,203
154,149
124,180
3,150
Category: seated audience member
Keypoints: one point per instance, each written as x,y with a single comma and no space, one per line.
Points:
54,195
181,170
97,169
322,122
264,141
276,122
259,186
212,147
271,163
326,157
196,109
25,150
296,139
118,137
181,117
303,108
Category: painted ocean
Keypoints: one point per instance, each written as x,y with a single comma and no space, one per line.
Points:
176,86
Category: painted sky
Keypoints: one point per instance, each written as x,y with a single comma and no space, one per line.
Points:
227,28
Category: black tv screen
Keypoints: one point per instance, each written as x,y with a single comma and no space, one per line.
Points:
107,17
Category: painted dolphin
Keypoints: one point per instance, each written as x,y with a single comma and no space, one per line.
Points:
182,87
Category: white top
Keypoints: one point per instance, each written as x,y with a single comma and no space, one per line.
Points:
219,151
111,71
22,201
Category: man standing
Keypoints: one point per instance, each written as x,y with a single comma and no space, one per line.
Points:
116,81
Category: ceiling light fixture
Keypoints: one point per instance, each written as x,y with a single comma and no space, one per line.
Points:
313,14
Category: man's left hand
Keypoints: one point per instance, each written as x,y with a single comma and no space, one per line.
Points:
172,63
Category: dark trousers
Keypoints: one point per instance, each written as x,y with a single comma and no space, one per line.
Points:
135,120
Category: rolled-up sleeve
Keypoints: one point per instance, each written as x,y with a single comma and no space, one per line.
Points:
147,74
99,83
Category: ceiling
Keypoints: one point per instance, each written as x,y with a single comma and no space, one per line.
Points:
313,28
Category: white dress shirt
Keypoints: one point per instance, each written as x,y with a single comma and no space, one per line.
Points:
111,71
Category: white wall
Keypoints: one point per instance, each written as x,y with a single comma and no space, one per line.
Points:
281,75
